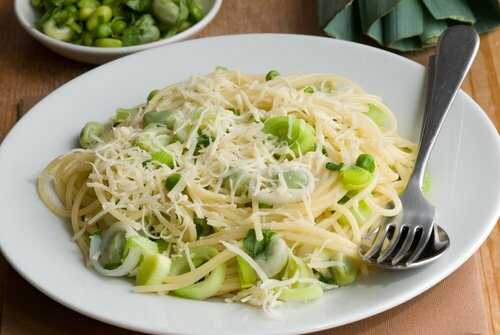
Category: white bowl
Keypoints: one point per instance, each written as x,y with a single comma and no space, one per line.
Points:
26,15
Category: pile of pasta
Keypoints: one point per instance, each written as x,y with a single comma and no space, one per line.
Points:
256,188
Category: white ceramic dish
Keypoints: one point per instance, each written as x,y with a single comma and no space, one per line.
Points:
465,170
26,16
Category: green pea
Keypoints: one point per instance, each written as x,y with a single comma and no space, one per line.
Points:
104,13
91,134
59,33
92,23
271,75
118,26
309,89
85,13
103,31
366,161
301,138
355,178
166,11
108,43
195,10
172,180
101,15
152,94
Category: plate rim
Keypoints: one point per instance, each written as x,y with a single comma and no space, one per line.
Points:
353,317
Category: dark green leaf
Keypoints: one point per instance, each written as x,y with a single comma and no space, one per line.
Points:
334,167
172,180
345,24
329,9
432,29
371,14
457,10
344,199
254,247
264,205
203,142
202,227
403,26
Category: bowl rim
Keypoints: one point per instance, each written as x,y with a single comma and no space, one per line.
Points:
37,34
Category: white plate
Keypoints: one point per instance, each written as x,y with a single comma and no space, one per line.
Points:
465,169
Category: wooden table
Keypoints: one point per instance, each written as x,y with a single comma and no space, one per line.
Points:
29,70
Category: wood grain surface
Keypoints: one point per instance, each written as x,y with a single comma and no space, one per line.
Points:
27,70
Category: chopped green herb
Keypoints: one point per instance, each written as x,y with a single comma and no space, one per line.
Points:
172,180
309,89
254,247
333,166
264,205
344,199
202,227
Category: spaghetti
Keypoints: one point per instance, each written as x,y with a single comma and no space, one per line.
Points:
259,190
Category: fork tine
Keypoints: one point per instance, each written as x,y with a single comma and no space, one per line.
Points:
410,236
377,242
398,232
424,239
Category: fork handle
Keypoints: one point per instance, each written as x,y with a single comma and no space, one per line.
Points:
455,52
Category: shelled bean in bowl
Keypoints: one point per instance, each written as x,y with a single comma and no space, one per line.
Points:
97,31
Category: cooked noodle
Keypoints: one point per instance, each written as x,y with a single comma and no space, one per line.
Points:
114,180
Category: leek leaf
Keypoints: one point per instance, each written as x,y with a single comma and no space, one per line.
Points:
457,10
371,13
403,25
345,24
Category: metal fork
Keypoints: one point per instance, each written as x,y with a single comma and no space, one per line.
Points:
408,233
